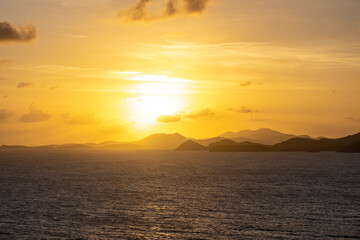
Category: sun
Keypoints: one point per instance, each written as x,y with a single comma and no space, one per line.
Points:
156,95
146,109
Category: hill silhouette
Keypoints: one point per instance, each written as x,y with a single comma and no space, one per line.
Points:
242,143
352,148
122,146
208,141
323,144
190,146
263,136
14,147
345,144
241,147
224,142
161,141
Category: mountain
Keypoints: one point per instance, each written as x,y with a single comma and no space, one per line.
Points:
106,144
263,136
304,145
74,146
190,146
224,142
122,146
352,148
324,144
207,141
161,141
243,133
241,147
14,147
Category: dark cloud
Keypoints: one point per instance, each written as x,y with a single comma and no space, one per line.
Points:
246,84
85,119
5,115
24,85
35,115
242,109
169,118
140,11
195,6
10,33
4,96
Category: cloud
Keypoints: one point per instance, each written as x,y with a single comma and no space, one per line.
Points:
140,10
4,96
186,115
242,109
35,115
10,33
199,114
5,115
353,119
195,6
54,87
169,118
24,85
4,63
85,119
246,84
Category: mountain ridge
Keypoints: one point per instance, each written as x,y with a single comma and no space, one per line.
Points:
174,140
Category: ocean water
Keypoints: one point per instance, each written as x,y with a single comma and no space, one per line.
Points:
88,194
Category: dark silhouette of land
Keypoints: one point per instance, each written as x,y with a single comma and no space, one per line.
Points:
243,141
345,144
191,146
242,147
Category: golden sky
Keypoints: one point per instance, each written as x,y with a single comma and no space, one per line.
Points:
95,70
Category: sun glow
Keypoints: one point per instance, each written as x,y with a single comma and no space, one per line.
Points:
147,109
160,95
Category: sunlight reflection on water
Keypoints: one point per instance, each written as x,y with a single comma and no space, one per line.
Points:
178,195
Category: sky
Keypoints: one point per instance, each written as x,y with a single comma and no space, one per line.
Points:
95,70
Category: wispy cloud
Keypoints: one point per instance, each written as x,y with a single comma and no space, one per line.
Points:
84,119
265,53
246,84
352,119
140,77
35,115
54,87
206,113
241,109
169,118
5,115
186,115
4,63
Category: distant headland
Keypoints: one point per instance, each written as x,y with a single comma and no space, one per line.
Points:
261,140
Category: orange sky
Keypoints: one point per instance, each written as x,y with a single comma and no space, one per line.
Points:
95,70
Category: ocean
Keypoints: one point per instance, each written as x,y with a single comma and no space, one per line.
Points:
94,194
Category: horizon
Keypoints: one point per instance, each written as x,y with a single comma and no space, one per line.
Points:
189,138
100,70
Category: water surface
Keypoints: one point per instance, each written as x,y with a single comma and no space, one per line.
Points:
49,194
